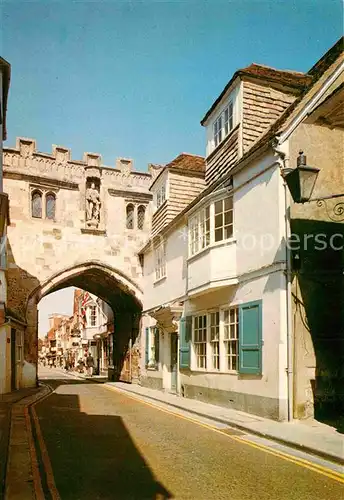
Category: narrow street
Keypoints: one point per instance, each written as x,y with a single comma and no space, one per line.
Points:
103,444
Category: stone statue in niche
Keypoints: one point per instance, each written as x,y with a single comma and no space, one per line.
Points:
92,206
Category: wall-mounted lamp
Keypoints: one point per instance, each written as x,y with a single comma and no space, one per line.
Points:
301,180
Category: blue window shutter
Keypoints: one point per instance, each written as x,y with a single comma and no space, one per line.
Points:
250,337
147,347
157,344
185,325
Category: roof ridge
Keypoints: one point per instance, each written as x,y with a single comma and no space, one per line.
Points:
266,66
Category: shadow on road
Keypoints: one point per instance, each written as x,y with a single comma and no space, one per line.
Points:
93,456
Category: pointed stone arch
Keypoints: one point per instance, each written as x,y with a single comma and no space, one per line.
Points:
110,284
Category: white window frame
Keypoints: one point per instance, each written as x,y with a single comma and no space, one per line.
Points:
199,230
223,124
93,315
214,340
19,347
221,365
226,214
152,364
230,340
196,344
198,235
160,261
217,131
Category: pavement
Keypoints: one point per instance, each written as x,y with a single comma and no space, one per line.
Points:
307,435
7,402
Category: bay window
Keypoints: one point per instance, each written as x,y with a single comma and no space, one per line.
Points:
223,213
211,224
200,231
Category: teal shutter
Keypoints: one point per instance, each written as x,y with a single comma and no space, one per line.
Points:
185,326
250,337
157,345
147,347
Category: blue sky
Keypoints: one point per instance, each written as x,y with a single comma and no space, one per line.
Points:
134,79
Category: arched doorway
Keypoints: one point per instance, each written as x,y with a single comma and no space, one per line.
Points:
121,293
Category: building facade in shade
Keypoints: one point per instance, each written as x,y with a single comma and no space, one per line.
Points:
11,328
228,317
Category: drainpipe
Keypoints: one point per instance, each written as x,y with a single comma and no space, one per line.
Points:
282,161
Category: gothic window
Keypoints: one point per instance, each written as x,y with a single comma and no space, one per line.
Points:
50,206
141,216
36,204
130,216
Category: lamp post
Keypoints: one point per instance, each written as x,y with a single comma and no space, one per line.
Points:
301,181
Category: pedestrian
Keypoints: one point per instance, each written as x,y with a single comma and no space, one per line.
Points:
50,363
81,365
90,364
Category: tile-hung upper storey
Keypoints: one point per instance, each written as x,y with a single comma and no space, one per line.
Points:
248,105
174,187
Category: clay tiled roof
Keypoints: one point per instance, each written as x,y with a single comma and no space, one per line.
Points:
183,163
189,162
290,79
294,79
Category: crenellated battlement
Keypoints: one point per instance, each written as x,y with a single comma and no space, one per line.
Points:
26,160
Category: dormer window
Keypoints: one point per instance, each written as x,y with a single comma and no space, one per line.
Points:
218,131
160,191
228,118
223,124
160,195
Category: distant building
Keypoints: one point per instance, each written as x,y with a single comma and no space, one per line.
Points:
89,329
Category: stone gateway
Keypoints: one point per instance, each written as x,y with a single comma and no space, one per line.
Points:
68,227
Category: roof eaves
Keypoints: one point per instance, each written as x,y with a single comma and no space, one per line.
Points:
163,169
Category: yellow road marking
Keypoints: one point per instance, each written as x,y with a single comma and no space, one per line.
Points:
37,484
337,476
44,452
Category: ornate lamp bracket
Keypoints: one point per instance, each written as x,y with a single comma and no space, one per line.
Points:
334,213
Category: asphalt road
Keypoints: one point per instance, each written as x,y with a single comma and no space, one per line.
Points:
105,445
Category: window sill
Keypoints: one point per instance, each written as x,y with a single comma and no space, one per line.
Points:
207,249
214,372
160,280
95,231
43,219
